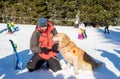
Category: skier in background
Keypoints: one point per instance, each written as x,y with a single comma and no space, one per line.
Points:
80,33
44,49
82,26
106,29
77,20
10,26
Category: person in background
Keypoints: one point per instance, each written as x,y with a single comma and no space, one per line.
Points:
10,26
106,29
43,47
77,20
82,26
80,33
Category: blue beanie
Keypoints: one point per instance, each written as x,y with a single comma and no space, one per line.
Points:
42,22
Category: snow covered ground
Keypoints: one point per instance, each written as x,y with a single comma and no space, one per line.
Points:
102,47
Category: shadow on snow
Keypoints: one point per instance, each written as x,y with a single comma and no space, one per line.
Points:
8,64
114,59
113,36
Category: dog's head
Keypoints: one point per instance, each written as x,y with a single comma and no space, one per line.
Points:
62,39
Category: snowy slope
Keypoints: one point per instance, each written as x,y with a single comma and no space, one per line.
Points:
102,47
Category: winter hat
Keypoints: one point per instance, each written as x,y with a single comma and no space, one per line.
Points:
42,22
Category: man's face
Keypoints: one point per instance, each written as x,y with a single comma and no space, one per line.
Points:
44,28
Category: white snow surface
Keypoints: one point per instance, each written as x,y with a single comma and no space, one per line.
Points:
102,47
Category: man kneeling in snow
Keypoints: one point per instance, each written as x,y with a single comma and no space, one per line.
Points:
43,47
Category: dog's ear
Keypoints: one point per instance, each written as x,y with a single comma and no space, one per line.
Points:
65,39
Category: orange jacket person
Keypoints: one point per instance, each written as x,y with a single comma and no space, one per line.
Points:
43,47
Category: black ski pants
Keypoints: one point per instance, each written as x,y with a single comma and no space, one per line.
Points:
36,62
106,29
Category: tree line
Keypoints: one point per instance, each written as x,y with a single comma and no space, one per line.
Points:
61,12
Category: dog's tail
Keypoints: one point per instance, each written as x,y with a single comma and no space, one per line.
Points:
98,65
90,60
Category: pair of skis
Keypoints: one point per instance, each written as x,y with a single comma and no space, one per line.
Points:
19,64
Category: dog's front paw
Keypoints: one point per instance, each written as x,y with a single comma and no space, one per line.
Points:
66,68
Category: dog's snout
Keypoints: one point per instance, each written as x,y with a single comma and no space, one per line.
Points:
56,42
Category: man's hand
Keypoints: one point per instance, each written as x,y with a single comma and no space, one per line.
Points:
44,50
55,47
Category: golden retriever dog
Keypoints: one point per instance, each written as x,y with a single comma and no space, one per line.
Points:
74,55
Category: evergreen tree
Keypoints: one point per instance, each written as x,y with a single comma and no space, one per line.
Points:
61,12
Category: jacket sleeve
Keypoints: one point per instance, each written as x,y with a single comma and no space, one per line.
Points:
54,32
34,41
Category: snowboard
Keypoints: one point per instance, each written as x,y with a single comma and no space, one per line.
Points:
19,64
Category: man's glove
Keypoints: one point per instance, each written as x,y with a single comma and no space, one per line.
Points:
44,50
55,47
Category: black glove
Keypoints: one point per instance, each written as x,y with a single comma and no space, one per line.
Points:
44,50
55,47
